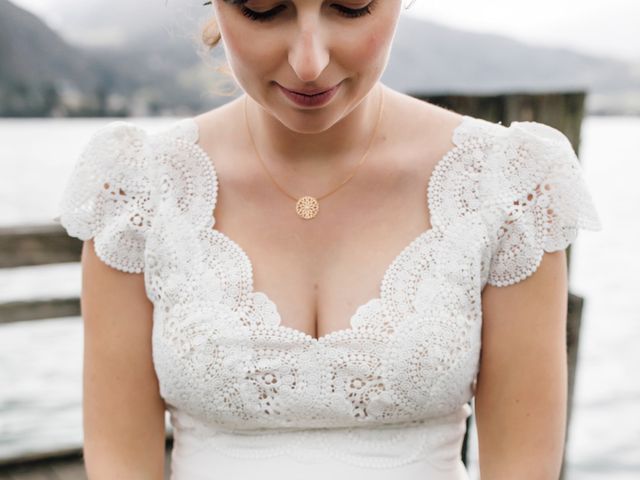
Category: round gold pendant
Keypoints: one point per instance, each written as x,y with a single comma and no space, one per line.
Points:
307,207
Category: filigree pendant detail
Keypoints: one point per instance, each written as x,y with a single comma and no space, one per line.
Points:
307,207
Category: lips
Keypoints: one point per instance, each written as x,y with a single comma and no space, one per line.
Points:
318,99
316,91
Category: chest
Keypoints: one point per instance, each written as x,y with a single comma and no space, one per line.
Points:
319,272
222,353
402,288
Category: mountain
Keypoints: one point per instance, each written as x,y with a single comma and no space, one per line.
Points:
34,59
430,57
41,73
122,57
446,59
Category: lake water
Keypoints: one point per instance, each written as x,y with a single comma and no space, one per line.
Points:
41,362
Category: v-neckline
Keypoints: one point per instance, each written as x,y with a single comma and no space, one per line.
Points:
434,220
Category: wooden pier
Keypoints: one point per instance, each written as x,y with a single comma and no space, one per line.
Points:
69,466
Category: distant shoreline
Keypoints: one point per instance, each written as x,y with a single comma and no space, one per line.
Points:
594,113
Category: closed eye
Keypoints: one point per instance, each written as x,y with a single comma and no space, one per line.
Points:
354,12
261,16
270,14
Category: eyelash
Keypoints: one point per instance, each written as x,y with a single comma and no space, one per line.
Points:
270,14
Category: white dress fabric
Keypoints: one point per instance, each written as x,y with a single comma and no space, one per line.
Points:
385,399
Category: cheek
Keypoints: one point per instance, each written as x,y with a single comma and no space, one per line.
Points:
240,47
370,47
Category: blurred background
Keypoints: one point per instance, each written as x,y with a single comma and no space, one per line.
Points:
68,68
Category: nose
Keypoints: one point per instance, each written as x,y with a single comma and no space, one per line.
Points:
308,54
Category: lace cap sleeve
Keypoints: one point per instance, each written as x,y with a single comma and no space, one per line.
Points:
108,196
540,197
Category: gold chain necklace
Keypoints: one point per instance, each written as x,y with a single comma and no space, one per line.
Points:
307,206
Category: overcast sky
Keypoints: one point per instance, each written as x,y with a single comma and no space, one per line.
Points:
607,27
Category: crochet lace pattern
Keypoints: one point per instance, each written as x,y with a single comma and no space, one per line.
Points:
405,368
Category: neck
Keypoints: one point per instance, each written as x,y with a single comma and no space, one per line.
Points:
340,144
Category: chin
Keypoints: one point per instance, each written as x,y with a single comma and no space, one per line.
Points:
302,122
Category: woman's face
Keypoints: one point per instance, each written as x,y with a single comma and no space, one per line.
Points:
307,45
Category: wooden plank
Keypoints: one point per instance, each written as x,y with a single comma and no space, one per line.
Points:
69,470
22,246
39,473
62,469
39,309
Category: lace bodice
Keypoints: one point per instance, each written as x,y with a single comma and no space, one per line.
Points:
392,388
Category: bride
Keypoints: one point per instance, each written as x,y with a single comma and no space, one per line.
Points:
318,278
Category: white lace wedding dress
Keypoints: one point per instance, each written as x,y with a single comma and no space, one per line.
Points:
386,398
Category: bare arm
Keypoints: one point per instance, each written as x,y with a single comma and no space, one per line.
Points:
123,413
521,393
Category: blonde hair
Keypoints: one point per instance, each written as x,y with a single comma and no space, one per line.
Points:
211,34
209,39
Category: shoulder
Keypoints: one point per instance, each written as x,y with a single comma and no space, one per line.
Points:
130,136
534,196
512,160
522,184
113,142
420,118
418,135
527,160
118,149
220,131
110,193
